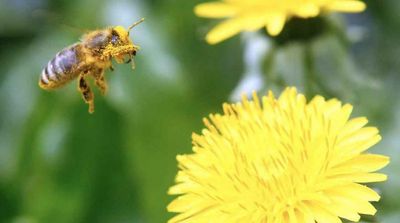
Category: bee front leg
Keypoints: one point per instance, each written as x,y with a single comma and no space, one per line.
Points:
100,81
110,65
133,64
86,92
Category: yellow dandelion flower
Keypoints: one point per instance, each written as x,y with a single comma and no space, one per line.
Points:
281,160
251,15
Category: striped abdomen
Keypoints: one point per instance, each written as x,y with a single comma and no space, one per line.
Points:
61,69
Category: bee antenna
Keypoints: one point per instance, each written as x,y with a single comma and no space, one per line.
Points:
135,24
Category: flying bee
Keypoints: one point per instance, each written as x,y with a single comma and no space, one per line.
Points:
90,57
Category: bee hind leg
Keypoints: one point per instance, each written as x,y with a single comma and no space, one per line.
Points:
86,92
100,81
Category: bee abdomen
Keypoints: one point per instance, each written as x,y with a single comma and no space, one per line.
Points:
60,69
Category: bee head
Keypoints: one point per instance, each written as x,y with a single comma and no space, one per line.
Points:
119,36
121,47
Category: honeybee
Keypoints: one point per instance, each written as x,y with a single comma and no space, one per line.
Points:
90,57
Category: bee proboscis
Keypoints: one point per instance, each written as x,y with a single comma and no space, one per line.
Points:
90,57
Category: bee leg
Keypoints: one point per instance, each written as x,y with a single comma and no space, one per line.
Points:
100,81
110,65
133,64
86,92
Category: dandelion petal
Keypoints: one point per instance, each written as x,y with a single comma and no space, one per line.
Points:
275,24
225,30
350,6
215,10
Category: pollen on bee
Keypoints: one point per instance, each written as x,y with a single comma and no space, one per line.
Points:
90,57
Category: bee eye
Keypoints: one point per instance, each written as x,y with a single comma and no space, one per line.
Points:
114,39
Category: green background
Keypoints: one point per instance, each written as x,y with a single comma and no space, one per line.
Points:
60,164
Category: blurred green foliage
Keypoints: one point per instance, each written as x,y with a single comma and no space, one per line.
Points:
60,164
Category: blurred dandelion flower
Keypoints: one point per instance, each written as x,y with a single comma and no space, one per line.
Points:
279,160
251,15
